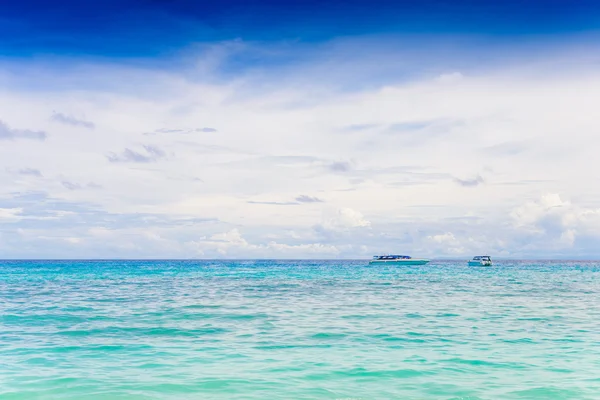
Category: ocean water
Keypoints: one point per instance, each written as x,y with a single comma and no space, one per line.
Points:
298,330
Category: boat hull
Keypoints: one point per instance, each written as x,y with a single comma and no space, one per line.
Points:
480,264
400,262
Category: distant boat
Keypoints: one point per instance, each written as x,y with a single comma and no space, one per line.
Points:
480,261
398,260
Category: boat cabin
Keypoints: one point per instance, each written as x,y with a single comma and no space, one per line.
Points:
392,257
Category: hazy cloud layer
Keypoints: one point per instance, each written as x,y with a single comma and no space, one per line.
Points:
447,159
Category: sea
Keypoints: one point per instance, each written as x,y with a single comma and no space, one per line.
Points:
234,329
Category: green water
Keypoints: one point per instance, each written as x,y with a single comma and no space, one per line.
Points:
298,330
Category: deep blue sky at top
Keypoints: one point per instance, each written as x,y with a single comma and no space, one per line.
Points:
146,28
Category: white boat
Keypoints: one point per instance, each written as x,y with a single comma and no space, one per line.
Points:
398,260
480,261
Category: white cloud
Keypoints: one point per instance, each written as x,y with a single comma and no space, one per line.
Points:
149,154
232,244
396,178
70,120
568,237
531,212
448,244
450,77
8,133
555,222
10,214
447,237
345,219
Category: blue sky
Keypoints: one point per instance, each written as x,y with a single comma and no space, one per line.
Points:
147,28
185,129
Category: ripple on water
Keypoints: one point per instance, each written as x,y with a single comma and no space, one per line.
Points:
302,330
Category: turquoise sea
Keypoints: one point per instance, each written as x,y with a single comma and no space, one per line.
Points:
298,330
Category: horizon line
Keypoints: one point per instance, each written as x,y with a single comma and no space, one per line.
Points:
280,259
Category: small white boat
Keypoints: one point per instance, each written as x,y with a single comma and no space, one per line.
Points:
480,261
398,260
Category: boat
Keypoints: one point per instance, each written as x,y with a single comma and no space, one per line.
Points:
483,261
398,260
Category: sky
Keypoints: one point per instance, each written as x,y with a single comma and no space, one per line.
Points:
299,129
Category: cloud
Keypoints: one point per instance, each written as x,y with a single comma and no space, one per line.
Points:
7,133
78,186
447,243
231,244
531,212
409,126
71,186
152,154
308,199
410,183
451,77
165,130
526,182
29,172
10,214
476,181
511,148
273,203
44,222
344,220
360,127
298,200
70,120
349,218
296,129
447,237
553,223
550,214
340,166
182,131
420,132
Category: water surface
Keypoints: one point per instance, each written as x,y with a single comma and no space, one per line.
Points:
298,330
